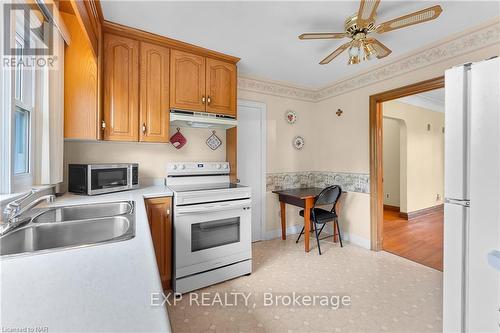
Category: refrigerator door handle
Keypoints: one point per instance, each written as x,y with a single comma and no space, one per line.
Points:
461,202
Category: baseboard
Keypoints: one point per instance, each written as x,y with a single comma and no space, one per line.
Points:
272,234
421,212
295,229
391,208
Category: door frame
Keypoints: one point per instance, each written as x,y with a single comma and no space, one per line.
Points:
262,109
376,157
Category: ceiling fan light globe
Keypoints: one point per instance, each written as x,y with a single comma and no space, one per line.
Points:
353,60
354,51
370,52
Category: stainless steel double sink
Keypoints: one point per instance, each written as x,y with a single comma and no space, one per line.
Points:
72,226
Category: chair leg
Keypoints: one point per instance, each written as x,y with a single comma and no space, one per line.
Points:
298,238
320,230
338,230
317,237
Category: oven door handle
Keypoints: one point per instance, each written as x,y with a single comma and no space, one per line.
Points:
213,207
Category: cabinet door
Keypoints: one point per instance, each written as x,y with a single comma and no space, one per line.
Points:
160,224
121,88
154,99
187,81
221,87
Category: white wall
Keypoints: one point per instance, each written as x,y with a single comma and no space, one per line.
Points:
391,161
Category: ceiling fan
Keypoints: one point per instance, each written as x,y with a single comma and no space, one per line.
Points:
359,25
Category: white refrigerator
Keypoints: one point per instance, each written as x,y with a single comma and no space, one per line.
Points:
471,286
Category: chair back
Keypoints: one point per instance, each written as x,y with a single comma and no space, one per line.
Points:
329,195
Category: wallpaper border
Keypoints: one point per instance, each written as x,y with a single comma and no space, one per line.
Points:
350,182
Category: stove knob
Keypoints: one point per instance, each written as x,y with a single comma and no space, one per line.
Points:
224,166
174,167
217,166
182,166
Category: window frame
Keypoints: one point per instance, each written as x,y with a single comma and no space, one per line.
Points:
32,99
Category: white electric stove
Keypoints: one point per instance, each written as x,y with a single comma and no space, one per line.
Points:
212,225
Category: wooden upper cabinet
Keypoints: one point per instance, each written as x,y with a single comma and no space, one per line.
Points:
221,87
187,81
121,88
160,224
154,94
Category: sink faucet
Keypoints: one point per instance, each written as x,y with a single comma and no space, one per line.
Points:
12,214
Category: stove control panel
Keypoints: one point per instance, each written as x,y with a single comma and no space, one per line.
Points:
197,168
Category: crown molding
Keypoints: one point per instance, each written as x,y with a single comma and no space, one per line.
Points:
276,88
467,41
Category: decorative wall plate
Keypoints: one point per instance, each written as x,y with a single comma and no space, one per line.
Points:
298,142
213,141
290,116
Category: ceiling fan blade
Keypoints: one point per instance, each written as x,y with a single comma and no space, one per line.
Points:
335,53
367,12
421,16
323,35
381,49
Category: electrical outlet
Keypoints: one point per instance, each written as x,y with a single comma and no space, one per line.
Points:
387,195
438,197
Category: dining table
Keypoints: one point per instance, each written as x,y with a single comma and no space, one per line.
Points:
303,197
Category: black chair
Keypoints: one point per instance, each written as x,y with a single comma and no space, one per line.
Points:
328,196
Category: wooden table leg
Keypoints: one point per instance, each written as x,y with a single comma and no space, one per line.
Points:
307,221
283,220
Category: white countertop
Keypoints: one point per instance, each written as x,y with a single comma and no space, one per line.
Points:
102,288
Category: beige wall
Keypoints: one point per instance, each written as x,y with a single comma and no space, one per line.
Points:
347,148
423,152
152,157
332,143
281,155
391,161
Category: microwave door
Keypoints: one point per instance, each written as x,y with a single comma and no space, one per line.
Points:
104,180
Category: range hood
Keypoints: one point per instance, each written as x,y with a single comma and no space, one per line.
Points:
181,118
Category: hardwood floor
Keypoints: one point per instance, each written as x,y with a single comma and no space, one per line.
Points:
419,240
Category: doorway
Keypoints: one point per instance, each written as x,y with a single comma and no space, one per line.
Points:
413,177
376,151
251,159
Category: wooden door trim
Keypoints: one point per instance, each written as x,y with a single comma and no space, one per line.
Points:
376,167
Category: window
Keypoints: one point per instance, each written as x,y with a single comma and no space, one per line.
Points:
21,141
22,119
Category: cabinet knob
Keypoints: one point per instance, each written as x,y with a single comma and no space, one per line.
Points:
103,124
208,100
203,99
144,128
167,211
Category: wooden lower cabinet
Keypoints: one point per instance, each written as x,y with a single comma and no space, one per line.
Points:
159,212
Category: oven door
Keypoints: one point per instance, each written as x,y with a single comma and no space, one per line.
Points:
211,235
105,179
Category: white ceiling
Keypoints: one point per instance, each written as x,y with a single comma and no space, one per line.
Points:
264,34
432,100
